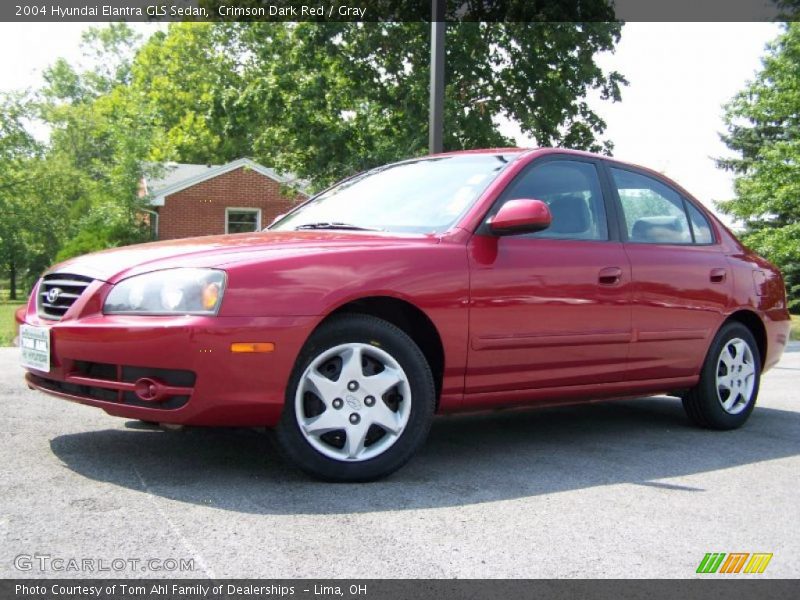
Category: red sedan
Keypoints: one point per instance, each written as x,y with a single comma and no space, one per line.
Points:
457,282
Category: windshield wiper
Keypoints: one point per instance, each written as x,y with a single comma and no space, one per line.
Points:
335,225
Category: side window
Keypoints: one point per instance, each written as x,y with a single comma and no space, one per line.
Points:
700,226
572,191
242,220
653,212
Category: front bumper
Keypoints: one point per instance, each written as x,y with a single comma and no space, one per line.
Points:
99,360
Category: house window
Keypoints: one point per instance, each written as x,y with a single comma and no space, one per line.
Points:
242,220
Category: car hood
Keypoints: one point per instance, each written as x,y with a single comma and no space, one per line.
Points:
220,251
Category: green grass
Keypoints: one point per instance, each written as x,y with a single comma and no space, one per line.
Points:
795,334
7,327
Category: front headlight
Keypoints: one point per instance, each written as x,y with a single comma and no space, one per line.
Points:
168,292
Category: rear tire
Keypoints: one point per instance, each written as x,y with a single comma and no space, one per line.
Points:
729,381
359,403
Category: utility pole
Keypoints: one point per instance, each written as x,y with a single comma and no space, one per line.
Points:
436,112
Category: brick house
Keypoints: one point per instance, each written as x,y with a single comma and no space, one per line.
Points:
191,200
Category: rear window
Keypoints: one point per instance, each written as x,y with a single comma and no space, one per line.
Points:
700,225
654,213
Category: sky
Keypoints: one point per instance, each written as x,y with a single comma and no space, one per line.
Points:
680,75
669,119
670,116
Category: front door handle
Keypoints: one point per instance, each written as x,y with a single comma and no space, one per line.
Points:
610,276
717,275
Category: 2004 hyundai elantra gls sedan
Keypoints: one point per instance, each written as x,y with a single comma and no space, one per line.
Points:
457,282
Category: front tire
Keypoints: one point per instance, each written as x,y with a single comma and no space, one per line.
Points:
359,403
729,381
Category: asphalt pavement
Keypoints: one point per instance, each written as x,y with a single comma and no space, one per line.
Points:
615,489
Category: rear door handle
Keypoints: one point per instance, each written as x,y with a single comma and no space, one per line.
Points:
610,276
717,275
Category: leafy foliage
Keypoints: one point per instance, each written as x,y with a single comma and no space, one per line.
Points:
763,128
23,213
339,98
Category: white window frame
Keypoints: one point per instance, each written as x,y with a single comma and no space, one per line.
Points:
250,209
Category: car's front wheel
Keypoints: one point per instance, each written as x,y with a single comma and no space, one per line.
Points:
728,387
359,403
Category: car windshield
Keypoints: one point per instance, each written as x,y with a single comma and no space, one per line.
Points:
419,196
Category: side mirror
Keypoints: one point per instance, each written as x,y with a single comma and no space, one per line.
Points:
521,216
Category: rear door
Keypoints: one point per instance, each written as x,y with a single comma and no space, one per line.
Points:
681,280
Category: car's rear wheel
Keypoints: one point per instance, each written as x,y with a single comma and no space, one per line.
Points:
359,403
729,381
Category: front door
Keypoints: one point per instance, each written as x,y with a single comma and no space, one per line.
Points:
551,308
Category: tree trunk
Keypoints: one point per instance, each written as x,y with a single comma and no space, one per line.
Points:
12,281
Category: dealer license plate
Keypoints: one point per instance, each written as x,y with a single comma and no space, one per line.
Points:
34,343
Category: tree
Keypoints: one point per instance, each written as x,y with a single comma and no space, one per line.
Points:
134,107
100,139
187,82
332,99
327,100
18,151
763,129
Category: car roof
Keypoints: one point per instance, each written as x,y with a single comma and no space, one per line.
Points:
510,150
555,150
536,150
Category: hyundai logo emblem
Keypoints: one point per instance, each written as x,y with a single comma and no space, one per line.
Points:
352,402
53,294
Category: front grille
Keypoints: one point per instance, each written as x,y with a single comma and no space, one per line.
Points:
52,304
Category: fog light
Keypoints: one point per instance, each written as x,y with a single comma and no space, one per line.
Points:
149,390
